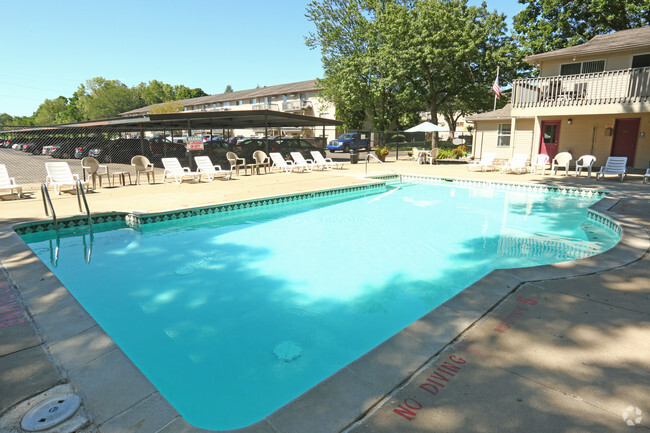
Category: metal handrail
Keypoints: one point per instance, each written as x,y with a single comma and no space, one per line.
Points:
80,192
381,162
47,200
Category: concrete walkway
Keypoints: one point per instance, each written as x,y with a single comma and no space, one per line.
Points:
561,348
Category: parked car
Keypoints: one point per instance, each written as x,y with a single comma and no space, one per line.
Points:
48,150
288,145
245,149
216,149
65,150
162,147
349,141
120,150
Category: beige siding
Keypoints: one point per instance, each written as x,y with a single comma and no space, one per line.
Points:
613,62
585,136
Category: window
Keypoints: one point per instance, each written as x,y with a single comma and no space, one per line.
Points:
641,61
253,101
582,68
240,102
503,138
550,134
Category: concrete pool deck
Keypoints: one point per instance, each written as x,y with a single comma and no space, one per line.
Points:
564,347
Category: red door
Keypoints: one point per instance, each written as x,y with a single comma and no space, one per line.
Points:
626,134
549,138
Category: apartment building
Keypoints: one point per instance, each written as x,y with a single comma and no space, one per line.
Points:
588,99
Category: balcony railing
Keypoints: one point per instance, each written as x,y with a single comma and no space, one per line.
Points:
627,86
264,106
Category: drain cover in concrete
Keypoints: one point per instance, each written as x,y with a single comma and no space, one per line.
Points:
50,413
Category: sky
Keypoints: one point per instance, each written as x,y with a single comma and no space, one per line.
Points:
51,47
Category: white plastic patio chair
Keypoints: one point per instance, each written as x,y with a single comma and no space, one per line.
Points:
324,163
280,163
9,183
561,160
261,160
585,161
173,169
517,163
142,166
299,161
204,166
541,160
487,161
236,162
432,155
59,175
95,171
615,165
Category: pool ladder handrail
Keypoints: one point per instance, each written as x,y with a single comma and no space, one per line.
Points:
381,162
80,194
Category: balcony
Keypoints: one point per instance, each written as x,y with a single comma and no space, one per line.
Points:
265,106
298,105
626,90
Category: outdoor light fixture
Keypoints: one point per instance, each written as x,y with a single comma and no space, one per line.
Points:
569,121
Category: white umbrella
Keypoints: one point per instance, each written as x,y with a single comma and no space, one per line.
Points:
427,127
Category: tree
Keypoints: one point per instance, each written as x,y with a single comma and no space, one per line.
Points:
51,109
547,25
101,98
167,107
155,92
183,92
228,89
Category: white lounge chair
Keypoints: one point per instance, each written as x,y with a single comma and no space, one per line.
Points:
541,160
9,183
299,161
561,160
143,166
59,175
204,166
280,163
487,161
646,176
585,161
324,163
517,163
615,165
173,169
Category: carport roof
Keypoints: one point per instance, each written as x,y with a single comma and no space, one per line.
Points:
239,119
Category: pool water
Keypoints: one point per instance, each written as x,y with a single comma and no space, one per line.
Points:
232,318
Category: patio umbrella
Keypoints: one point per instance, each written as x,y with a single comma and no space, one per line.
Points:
427,127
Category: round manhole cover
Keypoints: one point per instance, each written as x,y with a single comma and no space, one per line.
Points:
50,413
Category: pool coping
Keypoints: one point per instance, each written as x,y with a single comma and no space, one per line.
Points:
333,405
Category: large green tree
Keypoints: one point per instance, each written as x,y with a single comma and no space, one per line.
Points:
51,109
547,25
101,98
385,60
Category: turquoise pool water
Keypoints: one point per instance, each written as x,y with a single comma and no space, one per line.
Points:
232,318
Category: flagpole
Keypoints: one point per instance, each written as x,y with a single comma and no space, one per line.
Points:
495,95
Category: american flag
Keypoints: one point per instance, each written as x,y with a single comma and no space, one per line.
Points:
495,88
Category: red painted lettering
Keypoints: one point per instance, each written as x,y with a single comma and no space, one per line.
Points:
450,367
430,388
12,322
11,316
416,406
459,361
406,413
10,306
527,301
439,376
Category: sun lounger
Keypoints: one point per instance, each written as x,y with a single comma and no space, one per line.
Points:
517,163
204,166
541,160
299,161
585,161
487,161
280,163
615,165
9,183
324,163
173,169
59,175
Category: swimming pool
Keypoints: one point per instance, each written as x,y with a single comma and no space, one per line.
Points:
262,305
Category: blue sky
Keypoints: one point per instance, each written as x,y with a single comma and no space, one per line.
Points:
50,47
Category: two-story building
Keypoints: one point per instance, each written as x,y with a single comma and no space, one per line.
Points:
298,98
589,99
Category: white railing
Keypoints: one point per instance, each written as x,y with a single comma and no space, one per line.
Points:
627,86
264,106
